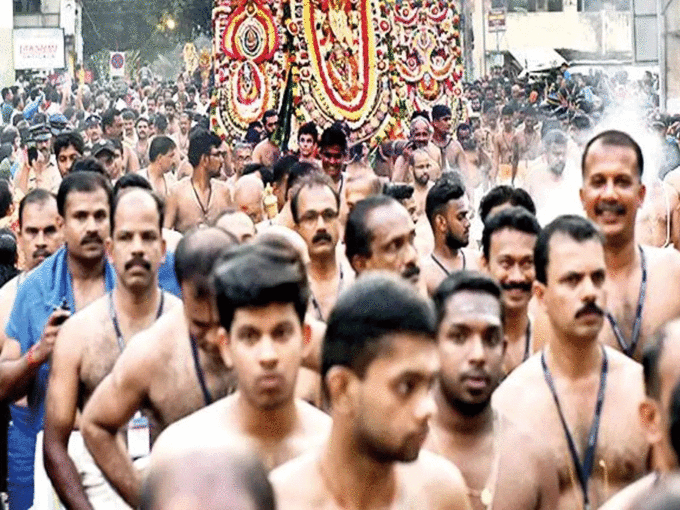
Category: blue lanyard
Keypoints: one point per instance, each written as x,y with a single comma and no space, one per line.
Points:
199,373
585,469
114,318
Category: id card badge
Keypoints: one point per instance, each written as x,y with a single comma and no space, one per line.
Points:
138,437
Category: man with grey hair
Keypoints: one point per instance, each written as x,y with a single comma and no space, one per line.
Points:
420,137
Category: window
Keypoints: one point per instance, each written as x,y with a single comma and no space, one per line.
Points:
26,6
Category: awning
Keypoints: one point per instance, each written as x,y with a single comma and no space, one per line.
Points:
532,60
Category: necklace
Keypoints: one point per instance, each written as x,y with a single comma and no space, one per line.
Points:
114,318
441,266
629,349
315,302
204,209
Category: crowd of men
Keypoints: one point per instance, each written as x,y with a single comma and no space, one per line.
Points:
483,315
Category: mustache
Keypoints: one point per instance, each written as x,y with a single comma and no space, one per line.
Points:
609,207
525,286
138,262
411,271
41,252
322,236
92,238
589,308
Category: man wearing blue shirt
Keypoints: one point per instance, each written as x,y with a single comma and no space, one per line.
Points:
67,281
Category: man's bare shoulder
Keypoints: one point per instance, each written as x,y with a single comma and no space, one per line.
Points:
86,323
622,365
522,380
290,493
313,420
436,479
9,290
624,499
154,346
664,260
673,178
181,185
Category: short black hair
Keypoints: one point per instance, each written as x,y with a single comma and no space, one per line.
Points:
282,167
196,254
651,358
200,144
66,139
614,138
439,111
333,136
108,117
460,281
674,419
160,146
311,181
298,171
448,187
131,180
85,182
309,128
89,164
257,274
357,236
367,315
575,227
160,205
504,194
5,198
36,196
160,122
515,218
398,191
267,114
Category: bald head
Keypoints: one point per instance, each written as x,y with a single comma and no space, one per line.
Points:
238,224
276,232
219,477
248,192
360,188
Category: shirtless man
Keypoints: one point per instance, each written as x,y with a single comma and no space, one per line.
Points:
643,283
142,145
529,139
333,154
661,368
552,179
112,127
241,156
199,199
448,211
248,196
182,135
420,138
380,234
70,279
508,243
89,343
379,363
262,292
315,207
424,170
452,156
501,467
308,139
168,371
579,396
267,152
505,150
162,160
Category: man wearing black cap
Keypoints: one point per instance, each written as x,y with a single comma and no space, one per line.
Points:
452,155
40,172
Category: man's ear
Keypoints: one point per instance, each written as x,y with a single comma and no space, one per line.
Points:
342,387
358,263
539,292
224,345
650,417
